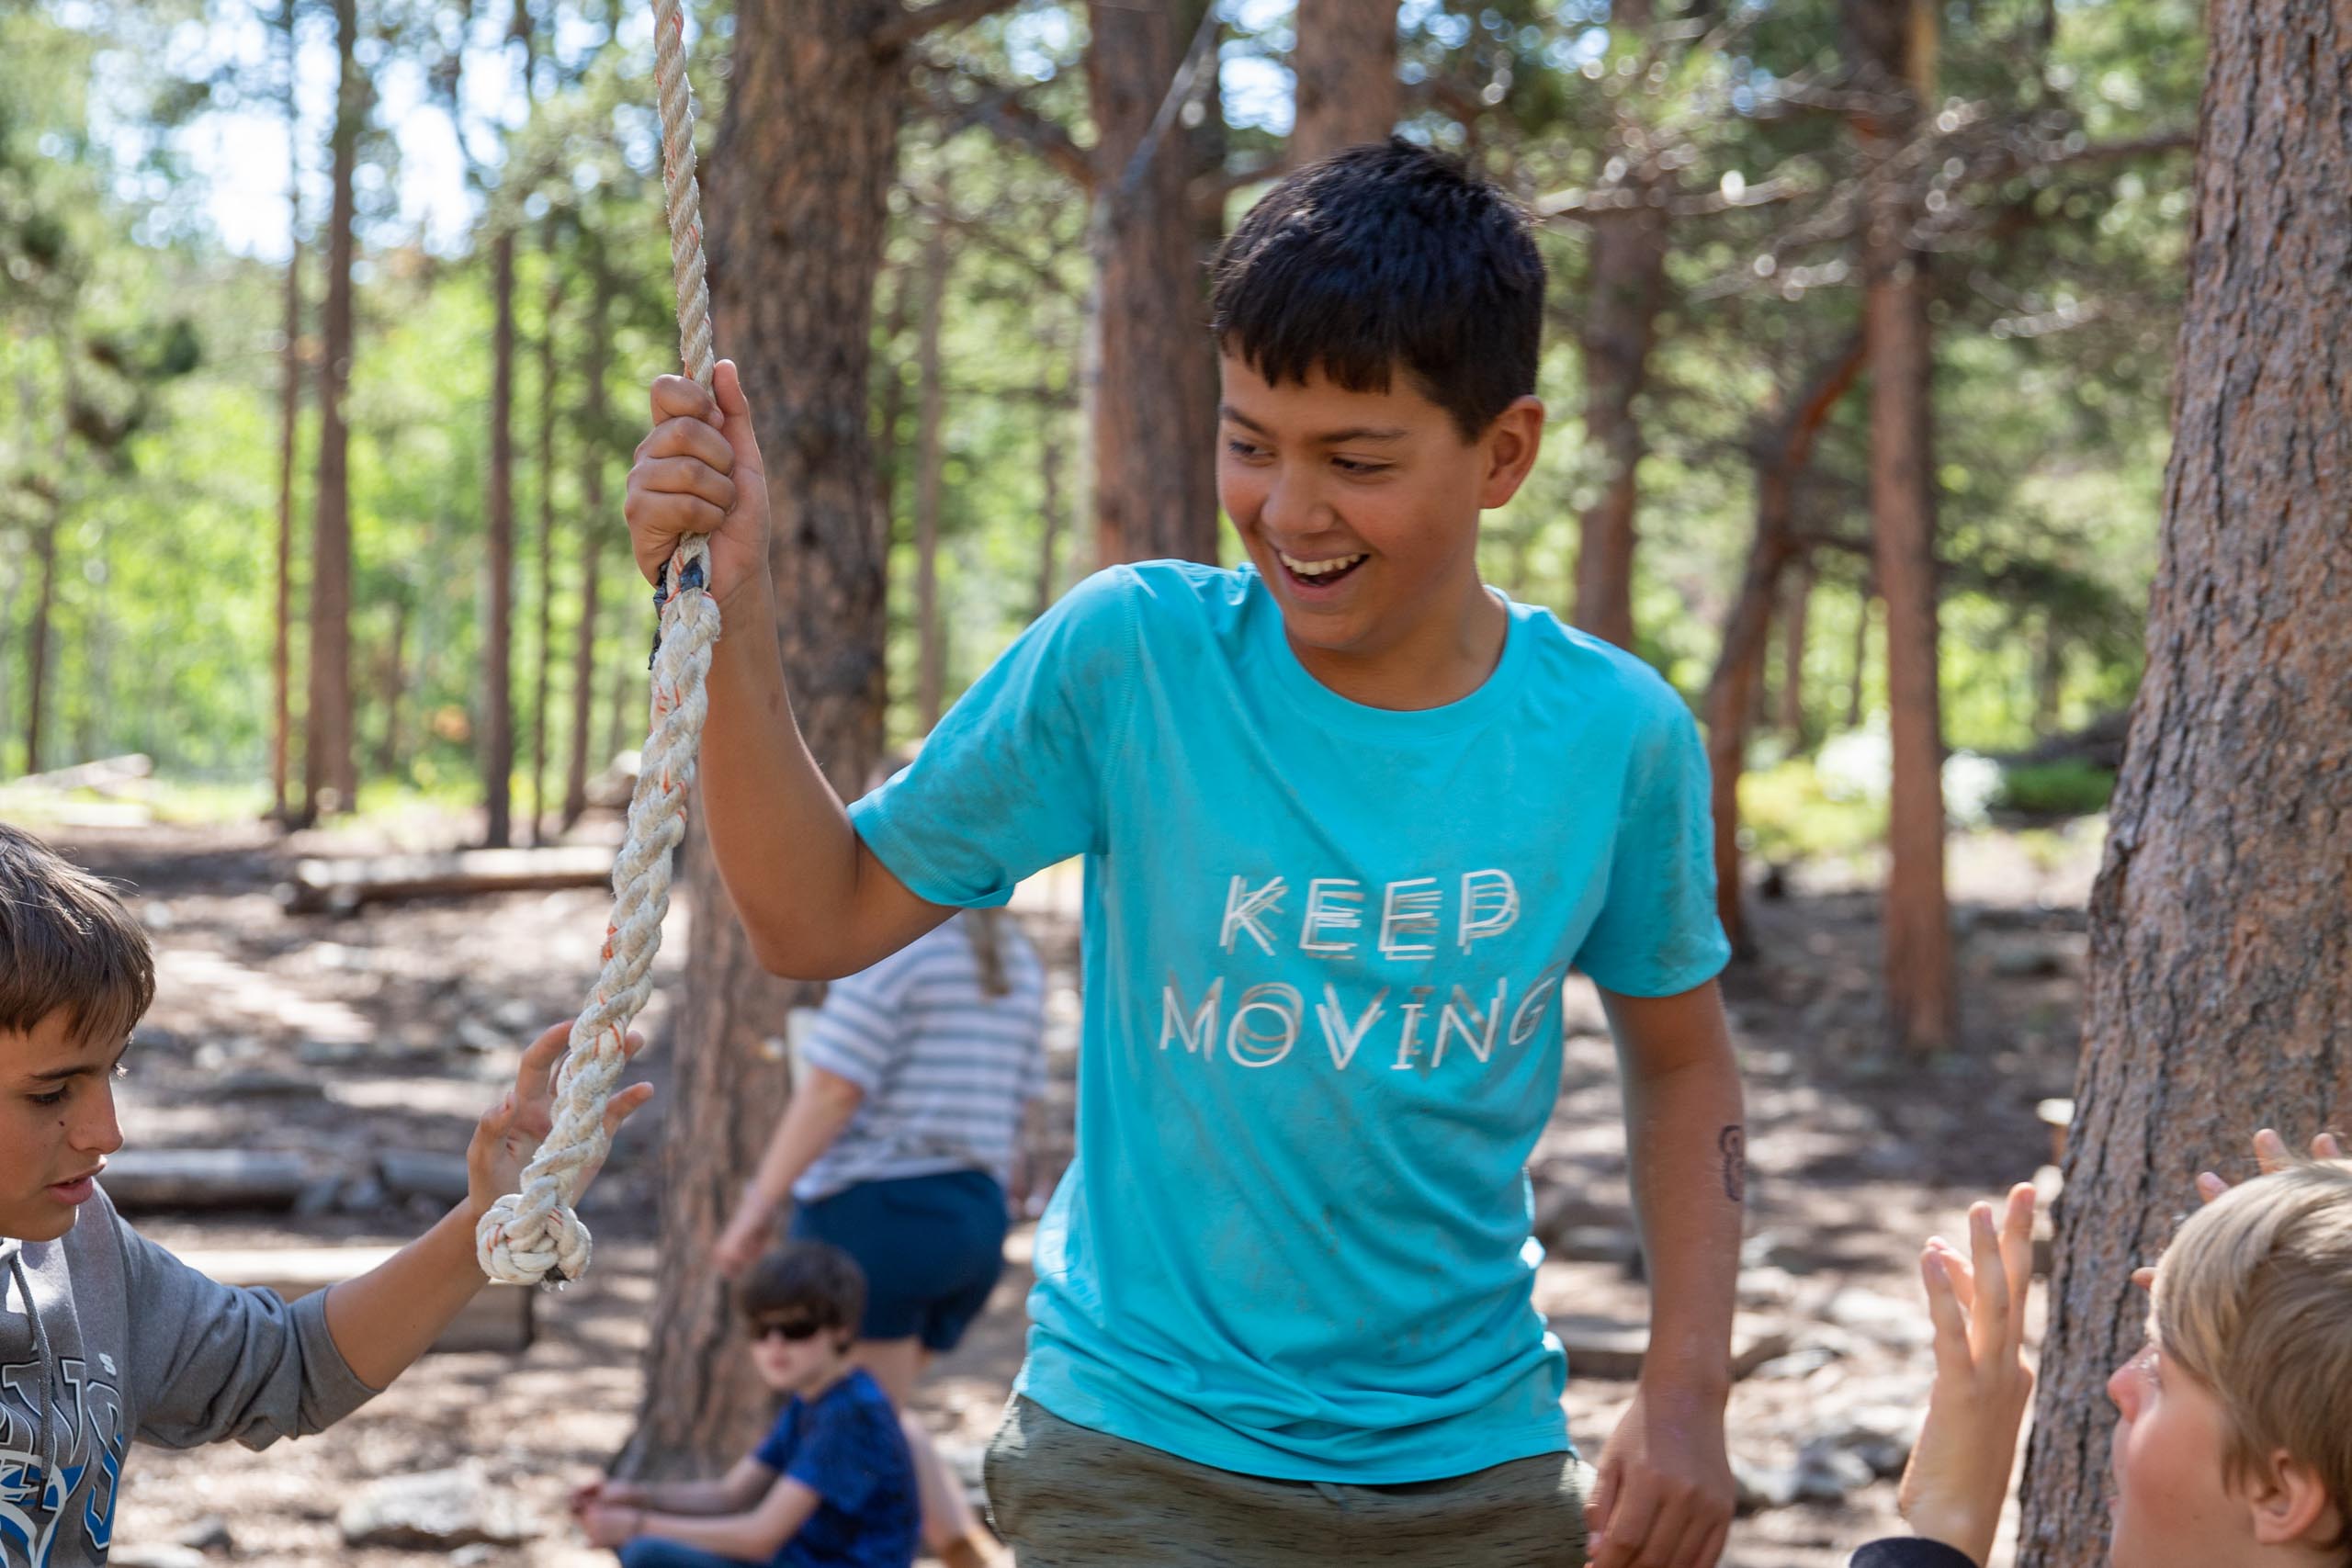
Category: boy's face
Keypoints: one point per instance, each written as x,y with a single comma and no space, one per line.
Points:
57,1125
2172,1507
1361,509
790,1362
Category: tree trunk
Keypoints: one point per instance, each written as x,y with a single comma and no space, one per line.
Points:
595,421
1863,595
2220,991
37,634
289,413
1782,459
1050,506
930,404
889,409
330,771
808,150
546,652
1625,292
2048,646
1918,963
498,635
1793,640
1152,371
1345,65
395,684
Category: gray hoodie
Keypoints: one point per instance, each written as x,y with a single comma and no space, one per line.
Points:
105,1337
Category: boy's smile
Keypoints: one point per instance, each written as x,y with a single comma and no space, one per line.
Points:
1361,509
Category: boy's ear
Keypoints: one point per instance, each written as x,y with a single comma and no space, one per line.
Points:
1510,444
2289,1503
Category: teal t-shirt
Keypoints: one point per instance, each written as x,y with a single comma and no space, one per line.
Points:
1323,954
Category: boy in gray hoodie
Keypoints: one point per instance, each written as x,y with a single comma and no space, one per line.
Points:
105,1337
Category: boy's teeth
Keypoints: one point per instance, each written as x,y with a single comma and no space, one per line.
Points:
1320,567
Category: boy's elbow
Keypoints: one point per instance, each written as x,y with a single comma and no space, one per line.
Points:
795,955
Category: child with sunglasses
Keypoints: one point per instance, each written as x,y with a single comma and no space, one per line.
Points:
831,1487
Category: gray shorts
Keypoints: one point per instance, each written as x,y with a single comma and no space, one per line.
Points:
1065,1496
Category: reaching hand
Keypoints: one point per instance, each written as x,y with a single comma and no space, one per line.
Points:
700,472
746,1238
1666,1493
509,1132
1958,1479
2270,1154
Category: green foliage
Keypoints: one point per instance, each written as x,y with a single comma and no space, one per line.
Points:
2071,788
144,359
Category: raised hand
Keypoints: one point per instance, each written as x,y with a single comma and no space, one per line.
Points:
1958,1478
699,471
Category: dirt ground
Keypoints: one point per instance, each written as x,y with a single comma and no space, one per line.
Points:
391,1030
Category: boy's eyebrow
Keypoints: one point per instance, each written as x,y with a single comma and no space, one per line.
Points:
86,1071
1329,438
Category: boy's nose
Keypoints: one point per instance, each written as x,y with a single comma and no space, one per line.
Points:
97,1130
2122,1387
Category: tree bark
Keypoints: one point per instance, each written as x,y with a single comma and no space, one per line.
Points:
1345,65
36,632
1626,291
931,405
1920,1000
889,410
289,412
807,152
328,762
1152,374
1782,459
1793,640
553,307
395,684
498,635
1050,506
2220,991
595,424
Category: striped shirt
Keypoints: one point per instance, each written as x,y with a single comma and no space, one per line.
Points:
947,1068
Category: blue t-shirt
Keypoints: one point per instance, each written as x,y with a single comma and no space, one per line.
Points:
845,1446
1324,947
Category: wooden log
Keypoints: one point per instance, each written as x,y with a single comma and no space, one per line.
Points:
146,1181
343,885
1612,1348
104,774
498,1318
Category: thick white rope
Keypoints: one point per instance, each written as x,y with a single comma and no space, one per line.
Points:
527,1234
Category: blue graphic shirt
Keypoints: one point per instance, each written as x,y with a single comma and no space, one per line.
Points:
1323,952
845,1446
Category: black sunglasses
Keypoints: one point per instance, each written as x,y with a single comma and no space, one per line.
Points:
793,1329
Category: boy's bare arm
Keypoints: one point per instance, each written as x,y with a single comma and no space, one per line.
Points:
1665,1493
813,899
386,1318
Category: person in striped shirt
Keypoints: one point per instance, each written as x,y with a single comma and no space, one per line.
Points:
900,1147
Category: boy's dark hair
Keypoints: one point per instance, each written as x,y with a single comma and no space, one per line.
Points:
1384,255
814,1277
67,944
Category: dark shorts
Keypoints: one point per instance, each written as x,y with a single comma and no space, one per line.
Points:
932,1248
1065,1496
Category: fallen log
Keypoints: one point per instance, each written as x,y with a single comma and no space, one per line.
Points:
498,1318
103,774
148,1180
341,886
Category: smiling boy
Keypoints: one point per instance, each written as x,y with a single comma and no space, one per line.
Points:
1349,817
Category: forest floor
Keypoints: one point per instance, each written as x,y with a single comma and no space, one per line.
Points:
341,1038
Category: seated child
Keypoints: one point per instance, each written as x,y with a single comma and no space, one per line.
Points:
832,1486
2233,1444
105,1337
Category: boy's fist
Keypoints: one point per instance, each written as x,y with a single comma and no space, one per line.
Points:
699,472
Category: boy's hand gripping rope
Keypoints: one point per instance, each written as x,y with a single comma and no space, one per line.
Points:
526,1235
